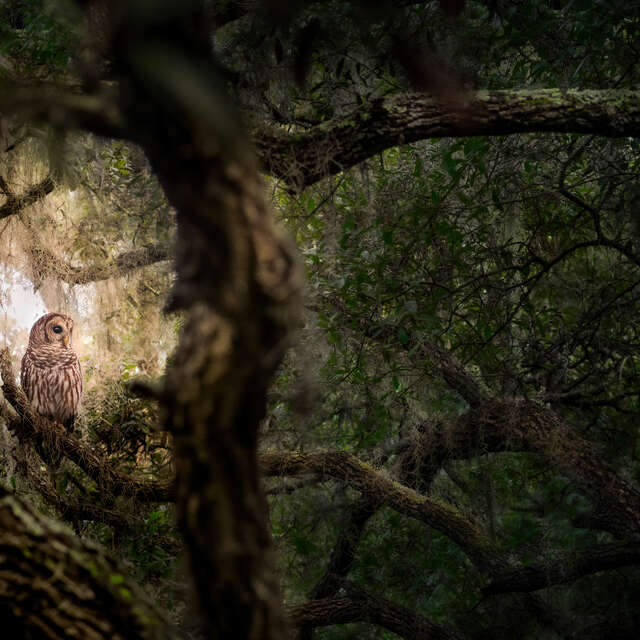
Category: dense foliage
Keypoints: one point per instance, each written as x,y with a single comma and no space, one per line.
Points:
450,447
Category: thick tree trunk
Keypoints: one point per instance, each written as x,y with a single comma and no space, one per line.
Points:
238,280
239,284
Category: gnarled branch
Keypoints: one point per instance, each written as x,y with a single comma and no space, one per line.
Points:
524,425
72,509
304,157
361,476
359,606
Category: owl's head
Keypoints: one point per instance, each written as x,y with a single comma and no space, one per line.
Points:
53,329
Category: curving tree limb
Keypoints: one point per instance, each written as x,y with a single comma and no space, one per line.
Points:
71,508
14,204
518,424
302,157
361,476
360,606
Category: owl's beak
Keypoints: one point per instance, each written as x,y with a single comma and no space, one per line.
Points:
66,341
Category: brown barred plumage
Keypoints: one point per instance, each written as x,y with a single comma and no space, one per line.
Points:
50,373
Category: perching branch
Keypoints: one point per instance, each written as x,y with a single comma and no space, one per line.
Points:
71,508
49,437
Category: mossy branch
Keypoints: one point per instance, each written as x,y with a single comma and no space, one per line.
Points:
361,476
120,265
15,203
305,156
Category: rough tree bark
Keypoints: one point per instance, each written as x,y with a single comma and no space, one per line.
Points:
304,157
54,586
239,282
360,606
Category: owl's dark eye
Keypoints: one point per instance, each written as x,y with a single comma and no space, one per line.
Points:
57,329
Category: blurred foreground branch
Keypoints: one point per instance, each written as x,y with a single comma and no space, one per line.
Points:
56,585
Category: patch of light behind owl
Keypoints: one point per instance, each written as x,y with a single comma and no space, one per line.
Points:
19,301
85,301
20,307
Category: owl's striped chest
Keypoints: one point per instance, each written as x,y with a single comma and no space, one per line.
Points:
52,380
45,358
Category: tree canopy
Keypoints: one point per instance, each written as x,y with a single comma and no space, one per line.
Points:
357,295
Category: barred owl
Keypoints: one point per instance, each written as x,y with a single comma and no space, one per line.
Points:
50,373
